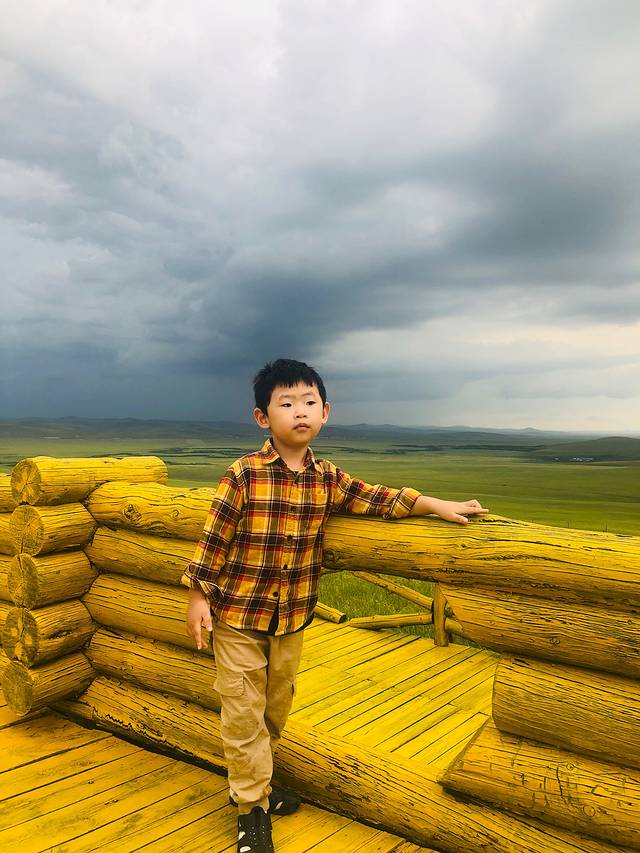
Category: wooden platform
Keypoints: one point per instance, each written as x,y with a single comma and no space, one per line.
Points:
64,787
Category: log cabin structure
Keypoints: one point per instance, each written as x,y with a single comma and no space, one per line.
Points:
526,740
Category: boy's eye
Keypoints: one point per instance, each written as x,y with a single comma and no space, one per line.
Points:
311,402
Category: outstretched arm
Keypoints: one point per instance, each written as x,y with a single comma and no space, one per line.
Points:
448,510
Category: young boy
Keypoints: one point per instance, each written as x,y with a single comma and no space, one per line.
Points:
256,570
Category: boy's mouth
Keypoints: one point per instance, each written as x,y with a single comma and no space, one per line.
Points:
301,426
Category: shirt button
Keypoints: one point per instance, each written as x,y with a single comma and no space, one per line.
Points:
276,594
286,566
289,538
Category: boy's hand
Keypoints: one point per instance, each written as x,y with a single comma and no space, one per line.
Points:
448,510
198,617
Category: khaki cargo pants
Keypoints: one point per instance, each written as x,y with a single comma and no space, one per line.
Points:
256,679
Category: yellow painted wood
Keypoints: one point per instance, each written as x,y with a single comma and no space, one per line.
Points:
427,730
154,558
7,500
187,674
41,530
34,637
342,776
560,787
5,609
7,546
331,614
405,592
5,562
578,634
493,552
152,508
31,689
395,620
449,742
152,610
46,480
441,638
48,734
36,581
588,712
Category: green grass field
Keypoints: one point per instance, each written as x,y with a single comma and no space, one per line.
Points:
588,496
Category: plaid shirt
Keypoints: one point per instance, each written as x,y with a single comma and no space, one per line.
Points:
261,547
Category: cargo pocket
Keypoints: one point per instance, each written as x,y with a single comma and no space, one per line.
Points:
229,684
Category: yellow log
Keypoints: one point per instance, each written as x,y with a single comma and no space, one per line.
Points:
5,609
141,607
5,562
36,636
153,558
36,581
40,530
329,613
30,689
395,620
7,501
586,796
533,559
6,542
46,480
4,663
402,798
155,665
441,638
583,635
405,592
589,712
152,508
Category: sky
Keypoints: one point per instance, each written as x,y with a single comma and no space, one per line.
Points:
435,204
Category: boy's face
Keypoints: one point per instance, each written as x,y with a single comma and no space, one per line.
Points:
294,415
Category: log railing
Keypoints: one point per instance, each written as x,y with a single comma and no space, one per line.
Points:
561,605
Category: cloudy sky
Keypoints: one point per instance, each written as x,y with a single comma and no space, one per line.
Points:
433,202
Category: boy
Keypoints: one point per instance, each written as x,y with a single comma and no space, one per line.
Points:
256,569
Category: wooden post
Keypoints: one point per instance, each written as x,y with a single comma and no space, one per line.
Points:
441,638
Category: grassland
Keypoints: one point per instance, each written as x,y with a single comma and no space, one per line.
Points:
588,496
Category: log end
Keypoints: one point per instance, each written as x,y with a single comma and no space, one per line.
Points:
26,483
17,686
26,529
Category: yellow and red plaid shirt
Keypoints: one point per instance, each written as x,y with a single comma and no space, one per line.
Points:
261,547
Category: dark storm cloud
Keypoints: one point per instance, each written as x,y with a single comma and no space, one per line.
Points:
342,181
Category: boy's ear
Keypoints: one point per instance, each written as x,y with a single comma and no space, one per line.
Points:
261,419
325,412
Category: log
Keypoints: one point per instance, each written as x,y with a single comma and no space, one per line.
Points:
41,530
46,480
405,592
36,581
4,663
493,552
31,689
403,799
586,796
153,558
5,609
150,609
395,620
593,713
7,501
6,542
152,508
36,636
441,638
5,594
583,635
329,613
187,674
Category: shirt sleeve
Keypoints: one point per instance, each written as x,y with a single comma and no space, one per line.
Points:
218,534
359,498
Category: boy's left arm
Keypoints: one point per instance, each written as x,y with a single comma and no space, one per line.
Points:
448,510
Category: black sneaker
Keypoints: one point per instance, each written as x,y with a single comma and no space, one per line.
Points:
281,801
254,832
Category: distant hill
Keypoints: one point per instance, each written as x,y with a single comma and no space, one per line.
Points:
610,449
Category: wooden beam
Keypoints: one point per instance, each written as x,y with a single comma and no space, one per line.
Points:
36,636
31,689
405,592
40,530
37,581
329,613
441,638
395,620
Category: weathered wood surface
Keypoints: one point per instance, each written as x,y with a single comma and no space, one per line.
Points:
6,542
5,608
48,480
581,794
333,773
41,530
440,634
141,555
331,614
7,501
581,635
186,673
36,636
35,581
5,561
405,592
394,620
153,610
31,689
152,508
594,713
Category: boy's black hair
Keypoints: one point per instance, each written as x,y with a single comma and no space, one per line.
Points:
287,372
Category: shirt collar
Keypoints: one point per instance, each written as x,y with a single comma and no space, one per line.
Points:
269,454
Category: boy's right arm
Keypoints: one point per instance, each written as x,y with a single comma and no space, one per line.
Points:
211,551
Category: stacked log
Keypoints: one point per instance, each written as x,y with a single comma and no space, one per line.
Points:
7,506
46,573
